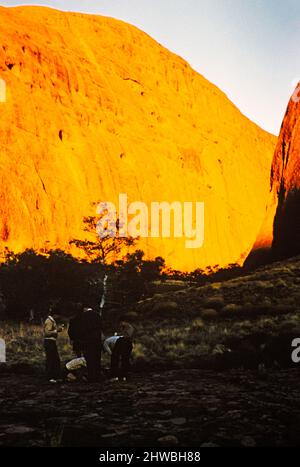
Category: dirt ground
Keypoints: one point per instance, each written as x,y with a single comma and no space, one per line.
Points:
188,408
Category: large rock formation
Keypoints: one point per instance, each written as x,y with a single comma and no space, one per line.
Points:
95,108
279,236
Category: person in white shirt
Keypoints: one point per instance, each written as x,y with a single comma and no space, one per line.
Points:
119,347
110,343
51,330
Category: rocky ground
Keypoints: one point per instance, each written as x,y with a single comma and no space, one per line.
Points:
181,407
245,392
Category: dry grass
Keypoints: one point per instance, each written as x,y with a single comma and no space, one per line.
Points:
156,344
180,328
24,343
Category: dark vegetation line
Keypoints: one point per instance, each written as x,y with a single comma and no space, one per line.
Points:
33,281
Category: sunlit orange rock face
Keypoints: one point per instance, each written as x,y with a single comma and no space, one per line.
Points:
279,236
94,108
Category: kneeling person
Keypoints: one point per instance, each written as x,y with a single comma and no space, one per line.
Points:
76,370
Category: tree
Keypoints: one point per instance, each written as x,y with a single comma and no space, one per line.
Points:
31,281
134,275
103,250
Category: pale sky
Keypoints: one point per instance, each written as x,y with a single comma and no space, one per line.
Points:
248,48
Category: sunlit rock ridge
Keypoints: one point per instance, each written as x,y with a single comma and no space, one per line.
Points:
95,107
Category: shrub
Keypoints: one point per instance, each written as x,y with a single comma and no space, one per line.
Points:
131,316
209,314
165,308
261,284
197,324
216,302
231,308
282,309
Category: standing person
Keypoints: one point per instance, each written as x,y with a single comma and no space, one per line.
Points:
119,347
75,333
51,331
91,342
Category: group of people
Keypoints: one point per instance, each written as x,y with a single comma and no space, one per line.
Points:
88,341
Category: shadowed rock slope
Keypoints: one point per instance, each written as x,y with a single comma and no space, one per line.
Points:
280,233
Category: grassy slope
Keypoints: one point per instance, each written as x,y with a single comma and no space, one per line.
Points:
255,317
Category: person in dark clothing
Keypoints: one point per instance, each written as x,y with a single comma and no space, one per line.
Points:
75,333
119,347
51,331
120,358
91,343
